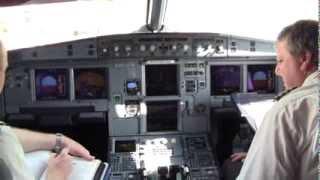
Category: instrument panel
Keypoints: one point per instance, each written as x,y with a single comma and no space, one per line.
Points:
168,156
155,89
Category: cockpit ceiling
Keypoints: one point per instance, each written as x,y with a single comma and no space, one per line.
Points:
4,3
40,22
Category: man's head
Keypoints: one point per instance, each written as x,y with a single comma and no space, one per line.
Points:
3,65
297,52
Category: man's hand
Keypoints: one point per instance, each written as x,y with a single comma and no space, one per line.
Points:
34,141
238,156
59,166
76,149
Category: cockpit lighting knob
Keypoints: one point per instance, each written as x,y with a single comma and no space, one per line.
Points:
174,47
152,48
142,47
116,48
185,47
127,48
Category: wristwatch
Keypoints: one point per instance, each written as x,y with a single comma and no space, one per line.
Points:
59,144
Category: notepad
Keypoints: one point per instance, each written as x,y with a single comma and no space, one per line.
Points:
81,168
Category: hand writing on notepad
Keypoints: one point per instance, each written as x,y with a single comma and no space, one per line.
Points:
76,149
59,166
46,165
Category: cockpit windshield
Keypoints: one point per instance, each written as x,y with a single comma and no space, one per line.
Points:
40,22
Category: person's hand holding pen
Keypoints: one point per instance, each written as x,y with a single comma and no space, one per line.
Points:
59,166
75,148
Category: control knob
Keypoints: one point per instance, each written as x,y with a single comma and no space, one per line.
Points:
116,48
174,47
152,47
185,47
142,47
127,48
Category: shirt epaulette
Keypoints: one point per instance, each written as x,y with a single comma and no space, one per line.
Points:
283,93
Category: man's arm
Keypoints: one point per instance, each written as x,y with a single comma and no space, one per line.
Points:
33,141
272,153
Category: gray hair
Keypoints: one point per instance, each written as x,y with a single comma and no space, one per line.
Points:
302,37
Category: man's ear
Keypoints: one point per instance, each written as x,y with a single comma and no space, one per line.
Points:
306,61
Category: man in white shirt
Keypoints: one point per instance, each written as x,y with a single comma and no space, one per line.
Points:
284,146
14,142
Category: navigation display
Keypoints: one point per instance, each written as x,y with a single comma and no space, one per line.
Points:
261,78
51,84
225,79
90,83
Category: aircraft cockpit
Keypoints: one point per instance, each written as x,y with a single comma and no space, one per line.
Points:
154,103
